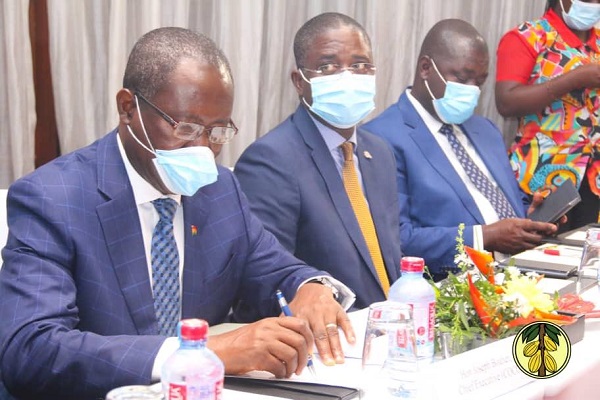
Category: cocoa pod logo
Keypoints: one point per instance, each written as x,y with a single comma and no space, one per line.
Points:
541,349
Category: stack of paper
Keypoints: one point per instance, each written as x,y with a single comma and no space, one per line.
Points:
553,260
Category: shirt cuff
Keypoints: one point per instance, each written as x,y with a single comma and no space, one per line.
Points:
478,244
168,347
478,238
341,292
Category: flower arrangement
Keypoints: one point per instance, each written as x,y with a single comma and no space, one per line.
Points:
479,303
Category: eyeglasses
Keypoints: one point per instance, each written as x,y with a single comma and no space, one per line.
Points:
191,131
360,68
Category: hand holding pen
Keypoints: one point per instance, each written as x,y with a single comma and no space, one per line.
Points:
285,309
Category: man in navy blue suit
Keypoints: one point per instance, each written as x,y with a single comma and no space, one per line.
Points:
77,286
294,176
452,165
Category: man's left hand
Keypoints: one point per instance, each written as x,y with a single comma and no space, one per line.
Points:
315,303
537,200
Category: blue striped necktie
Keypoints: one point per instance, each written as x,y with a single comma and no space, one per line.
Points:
495,196
165,268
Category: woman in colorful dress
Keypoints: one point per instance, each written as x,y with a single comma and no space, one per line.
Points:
548,75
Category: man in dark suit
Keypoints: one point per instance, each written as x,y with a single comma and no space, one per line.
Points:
85,304
436,190
295,178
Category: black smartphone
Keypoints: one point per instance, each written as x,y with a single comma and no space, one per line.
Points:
557,204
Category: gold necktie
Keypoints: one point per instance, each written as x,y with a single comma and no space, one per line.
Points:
363,215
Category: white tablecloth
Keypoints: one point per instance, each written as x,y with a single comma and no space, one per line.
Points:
580,380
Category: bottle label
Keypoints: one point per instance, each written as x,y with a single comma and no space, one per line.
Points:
196,391
219,389
177,391
424,321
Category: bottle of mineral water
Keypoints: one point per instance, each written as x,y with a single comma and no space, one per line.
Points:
410,349
193,372
412,289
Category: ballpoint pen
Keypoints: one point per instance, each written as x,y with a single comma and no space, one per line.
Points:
288,313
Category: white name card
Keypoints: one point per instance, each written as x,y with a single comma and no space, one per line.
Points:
483,373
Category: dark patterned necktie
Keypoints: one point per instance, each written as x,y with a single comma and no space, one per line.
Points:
482,183
165,268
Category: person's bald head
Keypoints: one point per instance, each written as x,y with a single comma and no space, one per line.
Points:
452,51
452,38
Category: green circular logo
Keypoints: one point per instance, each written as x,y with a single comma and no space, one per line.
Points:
541,350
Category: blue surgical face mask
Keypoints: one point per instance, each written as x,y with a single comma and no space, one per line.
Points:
185,170
458,103
581,16
342,100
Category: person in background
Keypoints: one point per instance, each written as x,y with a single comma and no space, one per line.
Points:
111,245
451,164
548,76
323,187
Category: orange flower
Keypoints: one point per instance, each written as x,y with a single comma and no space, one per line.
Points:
482,308
483,260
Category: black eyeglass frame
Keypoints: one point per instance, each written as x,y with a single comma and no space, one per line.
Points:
200,130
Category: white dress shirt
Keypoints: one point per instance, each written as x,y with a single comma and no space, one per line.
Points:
144,193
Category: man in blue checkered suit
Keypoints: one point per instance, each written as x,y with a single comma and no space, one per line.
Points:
76,288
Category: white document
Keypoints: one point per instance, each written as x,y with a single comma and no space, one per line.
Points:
578,236
552,285
347,374
549,256
359,323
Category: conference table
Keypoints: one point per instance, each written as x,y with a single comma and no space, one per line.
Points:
577,381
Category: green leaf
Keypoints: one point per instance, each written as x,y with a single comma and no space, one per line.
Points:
552,336
525,333
530,332
533,333
553,329
462,315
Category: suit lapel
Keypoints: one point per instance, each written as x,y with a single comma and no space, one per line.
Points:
195,215
335,187
434,155
370,174
122,233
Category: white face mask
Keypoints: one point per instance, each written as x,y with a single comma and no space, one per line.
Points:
343,99
458,102
183,171
581,16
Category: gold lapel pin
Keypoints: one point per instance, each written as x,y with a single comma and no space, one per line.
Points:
194,230
367,154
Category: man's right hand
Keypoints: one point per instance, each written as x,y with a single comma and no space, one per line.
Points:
514,235
277,345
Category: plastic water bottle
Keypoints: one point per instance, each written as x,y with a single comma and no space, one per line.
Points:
193,372
412,289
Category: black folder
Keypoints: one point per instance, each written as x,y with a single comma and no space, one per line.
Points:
290,389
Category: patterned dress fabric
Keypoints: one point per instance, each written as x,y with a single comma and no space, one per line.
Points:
561,141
